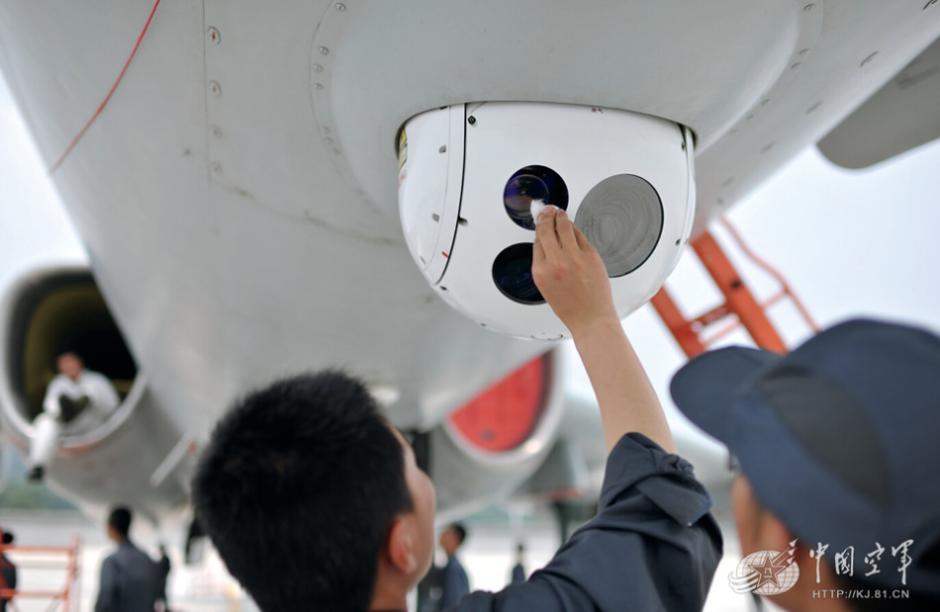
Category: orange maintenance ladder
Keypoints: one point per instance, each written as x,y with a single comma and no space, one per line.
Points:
43,558
739,303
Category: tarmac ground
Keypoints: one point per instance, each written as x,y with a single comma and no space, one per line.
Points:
488,556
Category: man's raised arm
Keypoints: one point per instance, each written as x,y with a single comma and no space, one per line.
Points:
571,276
652,545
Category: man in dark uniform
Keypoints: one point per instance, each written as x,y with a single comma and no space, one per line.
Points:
163,573
315,502
130,579
518,575
453,576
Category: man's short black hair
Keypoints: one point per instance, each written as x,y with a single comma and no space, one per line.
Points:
120,520
461,531
297,490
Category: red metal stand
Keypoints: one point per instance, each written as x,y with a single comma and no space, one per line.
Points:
739,301
44,558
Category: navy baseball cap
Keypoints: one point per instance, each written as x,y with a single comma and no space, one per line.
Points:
840,439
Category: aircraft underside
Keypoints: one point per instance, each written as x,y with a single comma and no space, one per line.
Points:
237,195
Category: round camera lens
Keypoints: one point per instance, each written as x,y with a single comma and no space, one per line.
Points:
622,216
533,183
512,273
520,191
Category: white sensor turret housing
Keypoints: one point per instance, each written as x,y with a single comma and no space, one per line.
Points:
469,175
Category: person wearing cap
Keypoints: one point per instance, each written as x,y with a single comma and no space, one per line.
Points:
839,464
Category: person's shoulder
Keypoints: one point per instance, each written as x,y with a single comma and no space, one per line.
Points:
534,594
112,558
59,379
454,565
131,550
95,376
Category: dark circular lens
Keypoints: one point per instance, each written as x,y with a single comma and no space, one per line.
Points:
519,193
533,183
512,273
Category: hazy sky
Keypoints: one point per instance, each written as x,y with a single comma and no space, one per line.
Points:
851,243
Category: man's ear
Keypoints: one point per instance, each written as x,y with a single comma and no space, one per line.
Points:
401,545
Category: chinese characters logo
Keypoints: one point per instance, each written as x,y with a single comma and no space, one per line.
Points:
770,572
766,572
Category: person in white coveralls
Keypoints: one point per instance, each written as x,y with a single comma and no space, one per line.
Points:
77,400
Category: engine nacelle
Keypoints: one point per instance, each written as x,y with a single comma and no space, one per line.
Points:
137,456
490,447
468,176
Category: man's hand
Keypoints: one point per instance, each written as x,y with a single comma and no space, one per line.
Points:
570,273
572,278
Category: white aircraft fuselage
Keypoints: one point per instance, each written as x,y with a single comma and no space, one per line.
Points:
237,195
